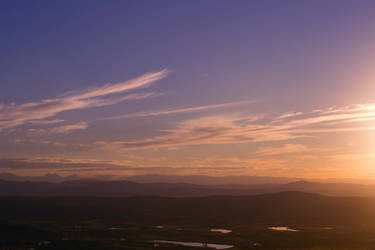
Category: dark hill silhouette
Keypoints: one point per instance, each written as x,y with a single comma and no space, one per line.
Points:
192,179
88,187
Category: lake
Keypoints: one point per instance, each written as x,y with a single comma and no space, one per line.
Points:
285,229
223,231
194,244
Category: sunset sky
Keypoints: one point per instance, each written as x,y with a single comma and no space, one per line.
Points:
275,88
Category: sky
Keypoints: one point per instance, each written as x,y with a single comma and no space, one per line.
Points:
263,88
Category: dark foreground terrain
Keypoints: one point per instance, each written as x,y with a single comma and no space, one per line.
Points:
320,222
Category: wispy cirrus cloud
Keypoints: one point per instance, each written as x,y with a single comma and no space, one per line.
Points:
182,110
289,115
115,169
221,129
348,157
48,163
67,128
231,129
47,122
13,115
285,149
59,129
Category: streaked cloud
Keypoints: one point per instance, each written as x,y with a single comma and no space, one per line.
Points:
47,122
240,128
67,128
289,115
182,110
346,157
223,166
224,129
59,129
285,149
13,115
51,163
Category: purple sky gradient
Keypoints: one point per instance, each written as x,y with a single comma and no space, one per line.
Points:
282,88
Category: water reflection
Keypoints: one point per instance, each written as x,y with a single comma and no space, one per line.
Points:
195,244
285,229
223,231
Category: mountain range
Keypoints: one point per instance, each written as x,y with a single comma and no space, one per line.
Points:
192,179
125,188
